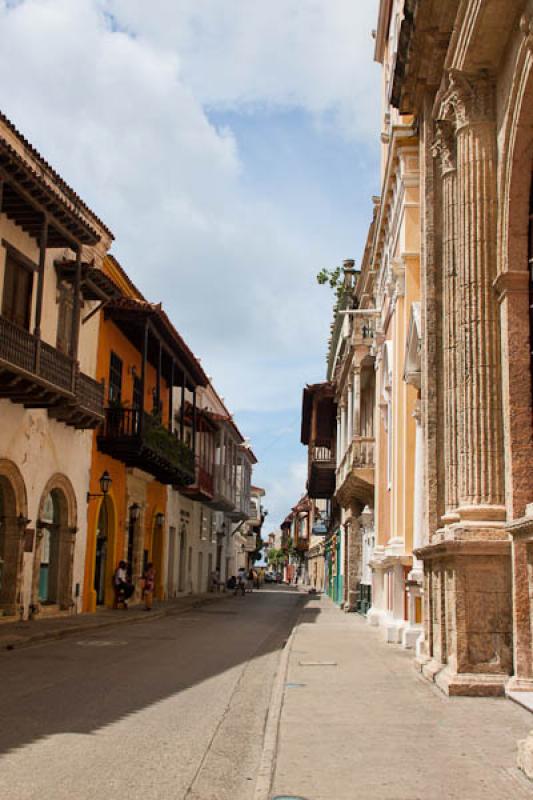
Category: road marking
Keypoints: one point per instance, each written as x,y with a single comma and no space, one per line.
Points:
317,663
100,643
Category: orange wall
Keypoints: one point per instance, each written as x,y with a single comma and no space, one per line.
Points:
111,338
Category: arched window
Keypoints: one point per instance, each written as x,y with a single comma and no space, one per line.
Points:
48,570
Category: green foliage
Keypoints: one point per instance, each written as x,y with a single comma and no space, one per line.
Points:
275,557
333,277
169,446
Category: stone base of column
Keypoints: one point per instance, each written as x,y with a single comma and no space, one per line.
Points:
410,636
470,684
464,684
516,684
374,616
352,598
469,611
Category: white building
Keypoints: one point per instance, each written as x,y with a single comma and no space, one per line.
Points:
51,251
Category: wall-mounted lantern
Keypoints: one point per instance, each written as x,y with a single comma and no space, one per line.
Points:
105,485
159,519
135,512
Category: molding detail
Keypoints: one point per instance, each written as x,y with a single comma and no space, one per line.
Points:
444,146
469,99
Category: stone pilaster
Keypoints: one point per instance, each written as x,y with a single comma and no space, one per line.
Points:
354,560
67,548
11,588
445,150
480,441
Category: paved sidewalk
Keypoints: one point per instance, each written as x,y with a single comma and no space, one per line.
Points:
371,727
21,634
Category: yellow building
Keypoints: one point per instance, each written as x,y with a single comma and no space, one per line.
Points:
395,264
142,447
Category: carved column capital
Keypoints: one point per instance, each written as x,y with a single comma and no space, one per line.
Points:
526,26
469,99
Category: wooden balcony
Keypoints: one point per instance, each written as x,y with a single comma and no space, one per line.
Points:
321,482
139,440
224,497
37,375
355,475
203,488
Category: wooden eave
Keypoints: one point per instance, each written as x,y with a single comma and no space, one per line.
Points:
27,199
130,316
95,284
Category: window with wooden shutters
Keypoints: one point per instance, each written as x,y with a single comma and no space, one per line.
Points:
115,379
65,299
16,298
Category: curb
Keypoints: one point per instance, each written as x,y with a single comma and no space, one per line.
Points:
63,633
267,764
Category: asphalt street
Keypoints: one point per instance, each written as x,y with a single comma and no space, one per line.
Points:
169,708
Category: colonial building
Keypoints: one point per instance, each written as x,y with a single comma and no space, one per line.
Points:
49,397
142,446
393,261
213,509
463,73
318,434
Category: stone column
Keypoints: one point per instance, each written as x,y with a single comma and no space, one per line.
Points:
349,420
354,559
339,439
418,510
445,150
411,634
357,402
480,490
343,429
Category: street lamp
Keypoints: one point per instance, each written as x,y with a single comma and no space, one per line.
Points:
105,484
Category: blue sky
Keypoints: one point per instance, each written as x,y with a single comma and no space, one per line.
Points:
232,147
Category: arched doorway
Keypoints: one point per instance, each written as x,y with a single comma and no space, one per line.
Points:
101,553
56,529
13,511
104,552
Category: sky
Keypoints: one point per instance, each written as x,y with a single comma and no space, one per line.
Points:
232,148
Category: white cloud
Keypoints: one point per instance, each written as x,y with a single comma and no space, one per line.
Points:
313,54
114,94
284,492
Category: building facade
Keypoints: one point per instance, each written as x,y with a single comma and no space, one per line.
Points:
49,398
114,445
471,101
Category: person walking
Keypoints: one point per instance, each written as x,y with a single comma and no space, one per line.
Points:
148,585
241,581
122,586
